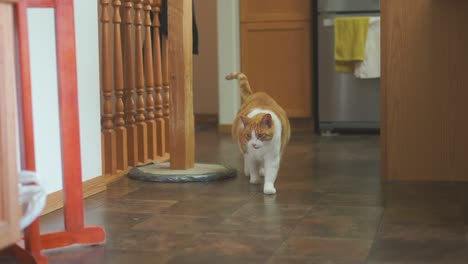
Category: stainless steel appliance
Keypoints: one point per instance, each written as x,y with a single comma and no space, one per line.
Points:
344,101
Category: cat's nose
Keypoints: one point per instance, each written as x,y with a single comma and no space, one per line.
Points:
254,146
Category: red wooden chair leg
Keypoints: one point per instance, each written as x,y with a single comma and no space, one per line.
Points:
32,242
86,236
75,232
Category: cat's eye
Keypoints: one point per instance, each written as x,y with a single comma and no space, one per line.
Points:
260,135
248,136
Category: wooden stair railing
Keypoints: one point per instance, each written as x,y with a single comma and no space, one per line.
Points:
135,86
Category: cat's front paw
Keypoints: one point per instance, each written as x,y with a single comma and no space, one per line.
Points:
268,188
255,180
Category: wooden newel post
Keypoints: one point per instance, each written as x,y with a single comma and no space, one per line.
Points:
182,136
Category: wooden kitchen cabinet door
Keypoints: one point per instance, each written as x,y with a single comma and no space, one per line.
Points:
276,57
276,50
9,205
275,10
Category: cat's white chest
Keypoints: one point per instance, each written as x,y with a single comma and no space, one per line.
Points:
270,149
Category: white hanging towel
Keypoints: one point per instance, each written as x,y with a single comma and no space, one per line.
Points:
32,196
370,67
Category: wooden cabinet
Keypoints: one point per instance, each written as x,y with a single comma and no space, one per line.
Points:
9,214
276,59
276,51
275,10
424,90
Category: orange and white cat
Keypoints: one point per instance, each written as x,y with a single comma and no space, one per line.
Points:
262,131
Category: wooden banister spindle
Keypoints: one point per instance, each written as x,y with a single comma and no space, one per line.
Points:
120,130
161,130
165,78
149,72
132,135
142,132
108,133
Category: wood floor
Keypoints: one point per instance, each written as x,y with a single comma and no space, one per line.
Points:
331,208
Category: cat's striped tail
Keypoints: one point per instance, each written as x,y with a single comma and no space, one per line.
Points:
245,90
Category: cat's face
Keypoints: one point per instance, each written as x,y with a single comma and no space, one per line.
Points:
258,131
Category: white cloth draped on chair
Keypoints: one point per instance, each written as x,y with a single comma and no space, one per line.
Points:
32,197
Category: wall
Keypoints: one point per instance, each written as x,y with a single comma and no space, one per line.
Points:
228,59
424,90
45,97
205,65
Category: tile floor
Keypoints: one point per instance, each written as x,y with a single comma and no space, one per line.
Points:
331,208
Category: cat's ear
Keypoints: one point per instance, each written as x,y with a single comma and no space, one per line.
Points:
245,120
267,120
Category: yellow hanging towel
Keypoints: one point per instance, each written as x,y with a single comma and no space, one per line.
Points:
350,41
